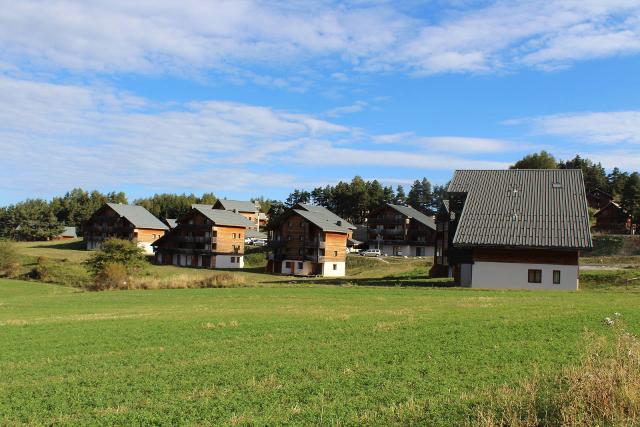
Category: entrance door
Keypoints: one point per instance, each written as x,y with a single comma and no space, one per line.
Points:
465,274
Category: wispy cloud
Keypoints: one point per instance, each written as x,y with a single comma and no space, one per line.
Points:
56,136
616,127
196,36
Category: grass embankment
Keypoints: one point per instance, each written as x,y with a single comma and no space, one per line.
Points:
64,266
277,355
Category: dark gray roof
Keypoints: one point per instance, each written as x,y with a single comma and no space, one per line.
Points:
324,212
522,207
322,221
237,205
222,217
69,232
138,216
415,214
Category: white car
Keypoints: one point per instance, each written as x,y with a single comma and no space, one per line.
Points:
259,242
371,252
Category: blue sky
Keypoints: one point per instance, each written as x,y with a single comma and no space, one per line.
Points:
248,98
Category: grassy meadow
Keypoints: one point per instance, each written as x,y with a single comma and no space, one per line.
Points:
280,350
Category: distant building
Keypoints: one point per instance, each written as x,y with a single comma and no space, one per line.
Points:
613,219
67,234
513,229
129,222
247,209
204,237
401,231
598,199
309,240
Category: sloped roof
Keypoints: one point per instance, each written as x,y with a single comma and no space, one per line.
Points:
522,207
237,205
322,222
138,216
255,234
69,232
171,222
223,217
415,214
325,213
611,203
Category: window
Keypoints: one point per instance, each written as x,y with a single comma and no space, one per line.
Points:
300,265
535,276
299,251
233,260
301,237
556,277
335,253
335,267
287,264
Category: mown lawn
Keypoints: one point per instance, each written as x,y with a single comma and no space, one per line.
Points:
281,354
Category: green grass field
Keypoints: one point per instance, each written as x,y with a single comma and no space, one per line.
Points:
283,350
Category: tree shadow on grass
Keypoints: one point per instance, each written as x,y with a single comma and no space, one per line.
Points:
378,281
63,245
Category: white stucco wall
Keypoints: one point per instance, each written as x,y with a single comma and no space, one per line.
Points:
407,250
146,247
224,261
426,251
306,270
328,271
507,275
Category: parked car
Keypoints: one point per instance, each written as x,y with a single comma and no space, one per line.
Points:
260,242
248,241
371,252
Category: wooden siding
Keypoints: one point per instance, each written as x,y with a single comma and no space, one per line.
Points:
147,235
528,256
335,247
229,240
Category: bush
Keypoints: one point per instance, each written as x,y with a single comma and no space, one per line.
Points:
42,270
112,276
117,251
9,260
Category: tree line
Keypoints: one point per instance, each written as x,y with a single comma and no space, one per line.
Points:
354,200
623,186
38,219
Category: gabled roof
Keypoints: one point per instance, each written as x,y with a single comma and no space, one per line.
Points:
611,203
410,212
522,207
69,232
171,222
255,234
325,213
222,217
237,205
322,222
138,216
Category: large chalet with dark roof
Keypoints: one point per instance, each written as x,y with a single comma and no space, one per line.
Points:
401,231
247,209
204,237
309,240
129,222
513,229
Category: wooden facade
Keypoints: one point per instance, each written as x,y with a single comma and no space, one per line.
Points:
613,219
198,241
107,223
598,199
300,246
397,233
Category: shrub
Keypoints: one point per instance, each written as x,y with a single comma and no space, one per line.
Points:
217,280
42,270
117,251
112,276
9,260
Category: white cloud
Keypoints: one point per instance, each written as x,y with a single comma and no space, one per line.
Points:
617,127
194,36
356,107
54,137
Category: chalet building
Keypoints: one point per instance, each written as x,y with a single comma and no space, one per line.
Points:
204,237
247,209
613,219
598,199
129,222
309,240
401,230
513,229
67,234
